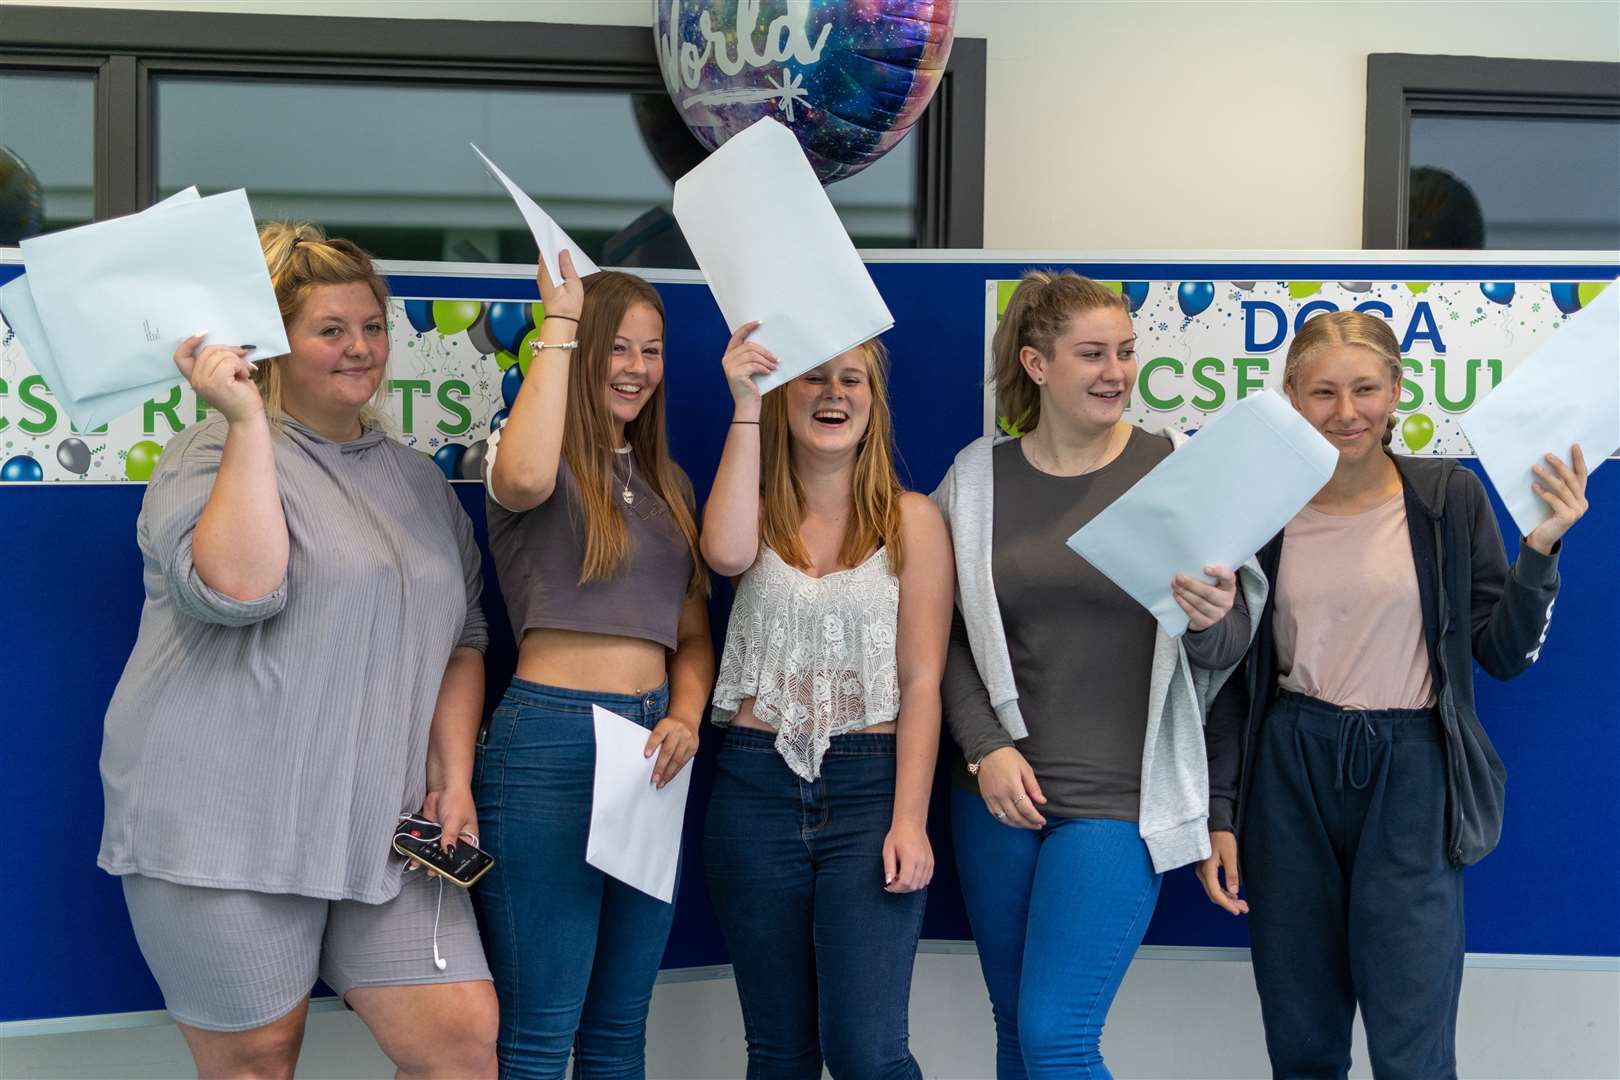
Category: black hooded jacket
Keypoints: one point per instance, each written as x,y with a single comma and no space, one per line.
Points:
1474,608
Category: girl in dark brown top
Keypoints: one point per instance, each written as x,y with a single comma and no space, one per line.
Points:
592,529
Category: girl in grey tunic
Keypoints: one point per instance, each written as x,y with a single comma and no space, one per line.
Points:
309,665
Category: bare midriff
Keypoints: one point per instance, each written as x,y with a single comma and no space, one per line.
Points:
745,718
577,660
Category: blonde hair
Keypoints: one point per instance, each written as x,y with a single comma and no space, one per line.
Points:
875,487
1338,328
300,259
1037,315
588,434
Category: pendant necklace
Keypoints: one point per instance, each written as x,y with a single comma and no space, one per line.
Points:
626,494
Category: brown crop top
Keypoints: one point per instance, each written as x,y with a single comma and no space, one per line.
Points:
538,554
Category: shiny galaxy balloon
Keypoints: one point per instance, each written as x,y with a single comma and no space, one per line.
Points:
848,77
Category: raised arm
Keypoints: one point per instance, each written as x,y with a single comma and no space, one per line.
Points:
523,469
239,547
730,539
927,586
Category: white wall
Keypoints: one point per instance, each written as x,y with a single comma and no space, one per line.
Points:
1117,124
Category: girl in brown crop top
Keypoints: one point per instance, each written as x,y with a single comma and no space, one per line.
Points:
595,544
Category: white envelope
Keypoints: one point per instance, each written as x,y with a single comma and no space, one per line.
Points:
1216,501
20,312
1567,391
117,297
773,250
548,235
635,828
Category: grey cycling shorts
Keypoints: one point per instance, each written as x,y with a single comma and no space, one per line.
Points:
232,960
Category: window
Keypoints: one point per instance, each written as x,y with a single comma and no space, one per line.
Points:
362,125
1465,152
47,143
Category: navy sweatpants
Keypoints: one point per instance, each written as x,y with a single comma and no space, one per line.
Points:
1351,898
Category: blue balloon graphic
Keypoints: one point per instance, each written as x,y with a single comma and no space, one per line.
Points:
419,313
1135,293
448,458
508,324
511,383
1195,296
1566,294
1500,292
21,468
498,419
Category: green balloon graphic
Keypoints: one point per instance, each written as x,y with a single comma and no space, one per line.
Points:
141,460
537,312
1419,286
505,359
1416,431
1299,290
524,355
1587,291
454,316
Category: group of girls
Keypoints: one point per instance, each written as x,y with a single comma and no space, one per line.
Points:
309,666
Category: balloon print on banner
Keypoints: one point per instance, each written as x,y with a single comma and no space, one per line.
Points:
1195,296
848,78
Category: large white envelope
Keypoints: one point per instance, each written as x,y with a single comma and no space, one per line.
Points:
635,828
1216,501
773,250
20,312
1567,391
117,297
548,235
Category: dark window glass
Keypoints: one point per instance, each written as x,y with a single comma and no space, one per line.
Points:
1526,183
47,152
388,166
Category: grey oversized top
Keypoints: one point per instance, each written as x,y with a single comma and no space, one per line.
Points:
271,744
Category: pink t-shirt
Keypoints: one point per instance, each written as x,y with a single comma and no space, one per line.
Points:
1348,621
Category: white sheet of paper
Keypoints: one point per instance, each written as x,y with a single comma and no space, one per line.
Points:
1566,392
1216,501
635,828
773,250
20,312
117,297
548,235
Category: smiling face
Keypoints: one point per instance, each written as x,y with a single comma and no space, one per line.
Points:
828,407
636,366
1347,393
339,342
1088,376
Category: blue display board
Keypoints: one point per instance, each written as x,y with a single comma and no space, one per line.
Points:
71,587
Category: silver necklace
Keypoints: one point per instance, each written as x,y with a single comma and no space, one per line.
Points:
626,494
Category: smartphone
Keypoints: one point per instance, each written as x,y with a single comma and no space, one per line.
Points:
462,864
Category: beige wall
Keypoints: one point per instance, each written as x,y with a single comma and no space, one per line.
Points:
1116,124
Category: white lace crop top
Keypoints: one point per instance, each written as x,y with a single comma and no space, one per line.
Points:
815,654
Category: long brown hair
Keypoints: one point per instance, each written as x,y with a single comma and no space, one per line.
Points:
1345,328
300,258
588,434
1037,315
875,488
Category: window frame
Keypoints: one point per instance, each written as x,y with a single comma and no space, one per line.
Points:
128,49
1401,85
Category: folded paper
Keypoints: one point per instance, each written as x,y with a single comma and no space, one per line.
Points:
548,235
773,250
635,831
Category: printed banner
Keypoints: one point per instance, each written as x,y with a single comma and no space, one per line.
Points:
1202,345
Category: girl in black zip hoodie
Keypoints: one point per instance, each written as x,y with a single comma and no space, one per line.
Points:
1345,756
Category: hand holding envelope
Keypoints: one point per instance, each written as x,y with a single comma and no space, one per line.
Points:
773,250
1214,502
635,831
1566,392
103,307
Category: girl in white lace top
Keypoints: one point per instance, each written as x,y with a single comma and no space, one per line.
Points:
816,845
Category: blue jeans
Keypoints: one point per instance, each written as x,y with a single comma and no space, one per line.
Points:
574,952
823,956
1057,915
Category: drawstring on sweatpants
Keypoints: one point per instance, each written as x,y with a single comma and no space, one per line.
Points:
1356,733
